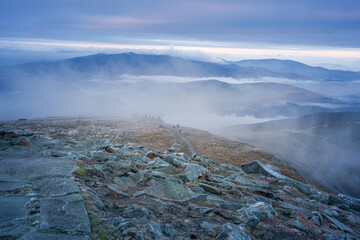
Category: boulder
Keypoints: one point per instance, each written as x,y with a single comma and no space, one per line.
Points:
232,232
339,224
257,167
170,191
116,191
191,172
136,211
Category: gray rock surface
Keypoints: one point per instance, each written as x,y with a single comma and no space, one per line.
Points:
133,192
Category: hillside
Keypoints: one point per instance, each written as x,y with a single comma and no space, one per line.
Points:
69,189
323,147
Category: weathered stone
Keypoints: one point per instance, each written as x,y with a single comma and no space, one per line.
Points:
64,215
101,156
210,228
154,230
11,185
109,150
339,224
52,187
232,232
170,231
260,210
47,236
98,203
56,153
116,192
191,172
170,191
197,190
257,167
174,161
151,155
354,203
330,212
167,170
12,208
210,189
136,211
124,183
215,200
305,188
123,226
223,213
195,211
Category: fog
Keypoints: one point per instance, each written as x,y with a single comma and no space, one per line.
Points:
324,148
323,152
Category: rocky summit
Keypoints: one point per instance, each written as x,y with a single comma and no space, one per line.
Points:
62,189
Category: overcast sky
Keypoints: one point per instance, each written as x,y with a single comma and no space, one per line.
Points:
225,23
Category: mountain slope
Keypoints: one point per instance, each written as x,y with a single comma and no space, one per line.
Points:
324,147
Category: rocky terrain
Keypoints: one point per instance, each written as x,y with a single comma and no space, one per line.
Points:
56,188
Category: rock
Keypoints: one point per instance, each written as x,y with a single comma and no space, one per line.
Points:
123,226
170,191
151,155
101,156
154,230
166,170
210,228
13,217
124,183
198,190
116,192
65,214
46,236
196,212
136,211
305,188
12,185
260,210
232,232
339,224
222,213
210,189
215,200
257,167
297,223
174,161
56,153
24,142
330,212
52,187
170,231
191,172
109,150
354,203
98,203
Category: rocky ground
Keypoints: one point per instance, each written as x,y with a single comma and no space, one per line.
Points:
86,188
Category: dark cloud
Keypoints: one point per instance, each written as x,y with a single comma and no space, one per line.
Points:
322,22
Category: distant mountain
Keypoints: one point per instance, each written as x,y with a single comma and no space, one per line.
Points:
110,66
300,69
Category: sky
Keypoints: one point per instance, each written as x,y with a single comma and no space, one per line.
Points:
302,29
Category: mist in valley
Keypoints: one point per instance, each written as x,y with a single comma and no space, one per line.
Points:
220,98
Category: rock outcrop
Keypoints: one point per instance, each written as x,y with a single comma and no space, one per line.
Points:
55,189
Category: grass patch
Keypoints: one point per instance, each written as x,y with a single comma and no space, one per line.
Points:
80,172
100,232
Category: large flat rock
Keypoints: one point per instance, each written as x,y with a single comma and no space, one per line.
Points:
65,214
52,187
47,236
